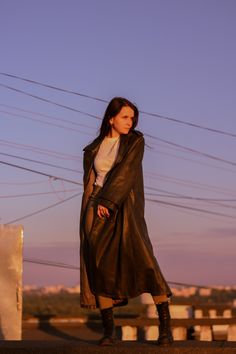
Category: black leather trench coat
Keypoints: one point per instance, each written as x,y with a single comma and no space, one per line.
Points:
118,260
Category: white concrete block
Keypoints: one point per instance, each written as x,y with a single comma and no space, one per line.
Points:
231,333
212,313
129,333
179,333
205,333
151,332
198,313
227,313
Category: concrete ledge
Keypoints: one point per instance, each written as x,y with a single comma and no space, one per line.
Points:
129,347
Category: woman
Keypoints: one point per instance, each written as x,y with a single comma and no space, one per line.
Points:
116,255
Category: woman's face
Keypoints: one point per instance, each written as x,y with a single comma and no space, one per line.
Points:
122,122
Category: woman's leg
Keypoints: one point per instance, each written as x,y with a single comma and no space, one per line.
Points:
159,299
104,302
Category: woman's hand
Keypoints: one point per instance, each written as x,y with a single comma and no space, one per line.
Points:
102,211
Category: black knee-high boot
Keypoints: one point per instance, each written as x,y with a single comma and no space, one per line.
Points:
108,326
165,334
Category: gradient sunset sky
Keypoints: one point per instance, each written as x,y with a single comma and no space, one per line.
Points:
174,58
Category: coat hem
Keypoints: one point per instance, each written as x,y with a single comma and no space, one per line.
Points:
116,297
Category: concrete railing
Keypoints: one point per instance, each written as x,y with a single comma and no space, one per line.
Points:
203,322
181,327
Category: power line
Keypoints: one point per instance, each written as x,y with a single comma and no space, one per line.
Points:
69,266
212,201
192,285
47,116
41,173
35,194
48,101
181,196
40,150
190,208
216,158
218,131
49,152
53,87
50,263
23,183
153,175
151,136
78,183
192,160
160,139
170,194
43,209
151,200
40,162
149,174
174,120
43,122
190,184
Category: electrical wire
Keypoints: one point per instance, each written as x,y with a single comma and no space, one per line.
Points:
78,183
49,101
14,115
213,203
209,165
53,87
9,196
190,208
41,162
41,173
216,158
153,175
55,154
47,116
219,159
49,152
190,184
181,196
174,120
72,267
23,183
42,210
50,263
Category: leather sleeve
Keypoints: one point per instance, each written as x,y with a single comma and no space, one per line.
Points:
122,177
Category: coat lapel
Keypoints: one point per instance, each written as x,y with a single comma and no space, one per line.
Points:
121,150
90,152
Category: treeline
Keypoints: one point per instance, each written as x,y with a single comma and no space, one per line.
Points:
68,305
64,304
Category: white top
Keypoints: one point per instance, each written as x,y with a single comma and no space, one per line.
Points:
105,158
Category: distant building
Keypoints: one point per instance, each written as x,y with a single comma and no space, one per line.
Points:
205,291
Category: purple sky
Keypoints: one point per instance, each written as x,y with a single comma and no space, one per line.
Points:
175,58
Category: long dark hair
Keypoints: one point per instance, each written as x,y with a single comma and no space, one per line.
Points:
114,107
